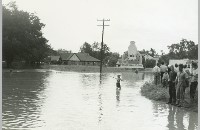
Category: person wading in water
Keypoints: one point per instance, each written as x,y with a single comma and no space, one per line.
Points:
118,82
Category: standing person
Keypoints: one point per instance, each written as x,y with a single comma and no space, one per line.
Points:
172,88
169,68
176,69
186,70
156,73
189,68
118,82
194,80
163,69
181,82
184,67
165,79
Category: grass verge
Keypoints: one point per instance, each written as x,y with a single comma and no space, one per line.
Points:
158,93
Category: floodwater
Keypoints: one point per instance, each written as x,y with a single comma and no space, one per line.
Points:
58,100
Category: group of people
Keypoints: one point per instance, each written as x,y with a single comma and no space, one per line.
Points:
177,78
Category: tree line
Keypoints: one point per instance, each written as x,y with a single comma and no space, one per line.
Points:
185,49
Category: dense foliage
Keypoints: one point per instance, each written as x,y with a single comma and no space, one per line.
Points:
152,52
183,50
149,63
23,39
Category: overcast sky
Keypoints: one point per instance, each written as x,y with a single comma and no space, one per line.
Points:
150,23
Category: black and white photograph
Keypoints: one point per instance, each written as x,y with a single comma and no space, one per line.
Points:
100,64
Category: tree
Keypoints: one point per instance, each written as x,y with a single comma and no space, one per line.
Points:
96,46
193,52
22,36
86,48
152,52
95,49
164,58
150,63
144,52
184,49
112,59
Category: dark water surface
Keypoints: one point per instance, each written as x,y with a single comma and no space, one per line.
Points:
55,100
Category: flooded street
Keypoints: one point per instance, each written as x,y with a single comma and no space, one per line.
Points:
56,100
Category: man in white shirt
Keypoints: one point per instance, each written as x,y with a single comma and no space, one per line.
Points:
156,72
163,69
176,69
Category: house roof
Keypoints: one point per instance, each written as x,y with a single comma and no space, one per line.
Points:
119,61
66,56
55,58
86,57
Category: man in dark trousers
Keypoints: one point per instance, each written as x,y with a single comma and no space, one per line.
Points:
172,89
194,80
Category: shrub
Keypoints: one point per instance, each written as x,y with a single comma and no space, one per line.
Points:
155,92
159,93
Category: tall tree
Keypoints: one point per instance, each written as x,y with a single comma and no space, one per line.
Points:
184,49
193,52
152,52
112,59
22,36
86,48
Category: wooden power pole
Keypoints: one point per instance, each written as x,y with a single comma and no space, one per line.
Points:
101,52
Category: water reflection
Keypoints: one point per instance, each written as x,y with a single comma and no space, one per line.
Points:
21,108
100,99
117,97
118,94
179,119
176,118
193,124
100,107
171,118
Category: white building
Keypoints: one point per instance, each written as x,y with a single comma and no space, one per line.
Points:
181,61
131,58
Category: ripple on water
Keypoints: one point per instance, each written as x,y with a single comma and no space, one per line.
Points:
62,100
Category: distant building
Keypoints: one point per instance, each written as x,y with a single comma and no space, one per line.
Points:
63,51
65,57
55,59
75,59
83,59
187,62
131,58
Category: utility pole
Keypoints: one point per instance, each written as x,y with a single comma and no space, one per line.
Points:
101,52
